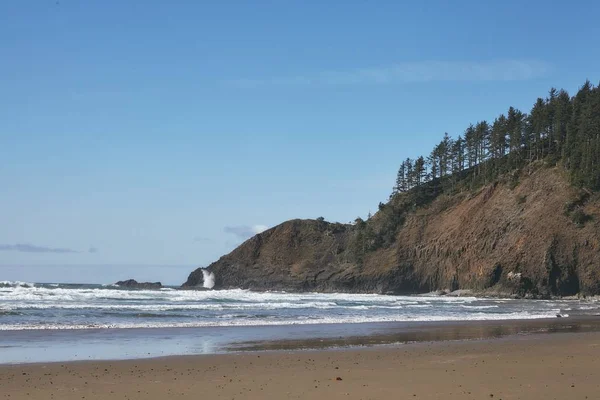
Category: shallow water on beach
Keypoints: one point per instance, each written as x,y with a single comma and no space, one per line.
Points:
115,344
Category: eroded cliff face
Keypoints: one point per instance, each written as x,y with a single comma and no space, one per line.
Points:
504,238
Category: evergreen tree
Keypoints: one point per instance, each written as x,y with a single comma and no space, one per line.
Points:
538,125
443,154
574,142
482,138
400,180
471,146
410,174
549,133
515,119
558,129
420,171
432,162
458,155
563,111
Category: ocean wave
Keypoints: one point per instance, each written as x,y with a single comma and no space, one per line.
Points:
201,306
264,322
5,310
94,307
15,284
26,293
478,307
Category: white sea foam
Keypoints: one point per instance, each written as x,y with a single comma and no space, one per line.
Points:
596,307
259,322
64,294
478,307
175,307
27,306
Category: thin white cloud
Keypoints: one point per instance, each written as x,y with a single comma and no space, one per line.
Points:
259,228
31,248
413,72
245,231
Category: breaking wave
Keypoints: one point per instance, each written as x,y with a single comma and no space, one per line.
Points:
265,322
8,284
64,306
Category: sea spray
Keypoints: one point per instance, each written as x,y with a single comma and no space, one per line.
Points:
209,279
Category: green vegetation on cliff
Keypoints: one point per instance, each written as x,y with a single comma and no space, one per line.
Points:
560,129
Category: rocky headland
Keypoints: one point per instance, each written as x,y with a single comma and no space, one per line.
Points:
530,234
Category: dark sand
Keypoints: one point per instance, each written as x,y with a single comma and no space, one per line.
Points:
538,366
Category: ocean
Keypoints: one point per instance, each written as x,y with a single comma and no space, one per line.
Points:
70,306
38,316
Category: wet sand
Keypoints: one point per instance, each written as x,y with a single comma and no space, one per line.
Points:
402,333
536,366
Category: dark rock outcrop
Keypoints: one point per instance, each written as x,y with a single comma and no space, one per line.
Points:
133,284
502,239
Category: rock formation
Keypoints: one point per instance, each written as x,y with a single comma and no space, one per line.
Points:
133,284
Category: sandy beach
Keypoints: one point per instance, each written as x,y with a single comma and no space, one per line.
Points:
548,366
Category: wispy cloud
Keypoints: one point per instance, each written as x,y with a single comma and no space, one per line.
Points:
412,72
245,231
30,248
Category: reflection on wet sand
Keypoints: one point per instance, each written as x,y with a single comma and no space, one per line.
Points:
430,332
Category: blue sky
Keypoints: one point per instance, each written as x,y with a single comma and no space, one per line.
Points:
142,138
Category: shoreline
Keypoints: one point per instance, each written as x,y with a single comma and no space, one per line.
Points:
32,347
537,366
431,332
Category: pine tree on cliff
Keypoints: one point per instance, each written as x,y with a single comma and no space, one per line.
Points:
401,179
589,133
549,142
432,163
410,173
458,155
515,120
538,126
419,171
498,140
574,141
482,138
470,146
447,153
563,110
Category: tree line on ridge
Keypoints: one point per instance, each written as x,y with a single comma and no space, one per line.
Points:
559,128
